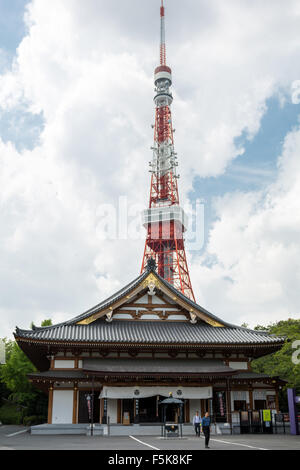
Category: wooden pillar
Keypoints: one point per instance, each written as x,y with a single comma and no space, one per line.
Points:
119,412
202,407
187,411
277,400
50,404
228,401
251,398
75,403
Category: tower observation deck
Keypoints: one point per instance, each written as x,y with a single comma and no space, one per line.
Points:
165,221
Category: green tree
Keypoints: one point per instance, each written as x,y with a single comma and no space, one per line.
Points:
14,374
46,323
281,363
14,383
262,328
4,391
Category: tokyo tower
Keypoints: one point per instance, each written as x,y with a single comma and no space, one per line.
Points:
165,221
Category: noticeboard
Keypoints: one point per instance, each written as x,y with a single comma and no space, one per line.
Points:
267,416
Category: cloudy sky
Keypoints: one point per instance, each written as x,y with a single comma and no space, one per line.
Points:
76,108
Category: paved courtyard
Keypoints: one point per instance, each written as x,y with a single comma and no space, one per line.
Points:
17,438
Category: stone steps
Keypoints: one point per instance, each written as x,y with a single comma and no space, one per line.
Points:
112,430
66,429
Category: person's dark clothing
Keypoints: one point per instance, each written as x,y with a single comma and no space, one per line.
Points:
206,429
197,429
206,432
205,421
196,422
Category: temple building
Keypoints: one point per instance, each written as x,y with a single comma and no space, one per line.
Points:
116,362
139,345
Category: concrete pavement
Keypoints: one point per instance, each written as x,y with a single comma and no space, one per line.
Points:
18,438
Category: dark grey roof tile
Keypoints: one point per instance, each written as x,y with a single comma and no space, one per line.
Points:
155,332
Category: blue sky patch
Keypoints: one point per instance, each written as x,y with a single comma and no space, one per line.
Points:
12,28
21,128
257,167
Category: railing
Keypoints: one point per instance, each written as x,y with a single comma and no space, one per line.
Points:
252,422
255,424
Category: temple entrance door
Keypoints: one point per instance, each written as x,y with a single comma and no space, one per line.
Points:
149,410
128,410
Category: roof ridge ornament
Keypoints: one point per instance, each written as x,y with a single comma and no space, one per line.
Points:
109,316
193,319
151,265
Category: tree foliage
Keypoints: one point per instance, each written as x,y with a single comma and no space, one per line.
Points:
14,374
14,383
46,323
283,363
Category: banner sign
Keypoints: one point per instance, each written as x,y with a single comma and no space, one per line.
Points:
89,405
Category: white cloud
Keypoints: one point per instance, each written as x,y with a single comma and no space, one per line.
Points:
255,246
87,67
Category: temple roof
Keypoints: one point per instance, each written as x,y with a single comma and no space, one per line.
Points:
137,285
203,372
125,320
148,332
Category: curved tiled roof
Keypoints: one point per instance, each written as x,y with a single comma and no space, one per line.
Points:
147,332
130,287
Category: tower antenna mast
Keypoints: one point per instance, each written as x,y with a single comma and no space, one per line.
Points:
165,221
162,35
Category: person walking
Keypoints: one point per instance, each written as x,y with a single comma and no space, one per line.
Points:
206,421
196,423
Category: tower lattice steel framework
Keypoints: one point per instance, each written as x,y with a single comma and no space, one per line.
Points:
165,221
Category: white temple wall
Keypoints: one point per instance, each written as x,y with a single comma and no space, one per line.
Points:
239,365
112,410
194,406
61,364
62,411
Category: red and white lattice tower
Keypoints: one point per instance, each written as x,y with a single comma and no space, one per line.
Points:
165,220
